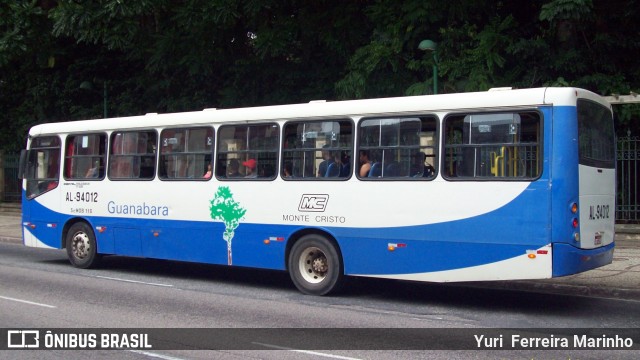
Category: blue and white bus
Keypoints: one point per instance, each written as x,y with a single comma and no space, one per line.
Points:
497,185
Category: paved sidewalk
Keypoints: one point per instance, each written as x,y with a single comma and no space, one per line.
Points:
620,279
10,229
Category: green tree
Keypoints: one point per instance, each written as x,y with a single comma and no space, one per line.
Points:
168,56
226,209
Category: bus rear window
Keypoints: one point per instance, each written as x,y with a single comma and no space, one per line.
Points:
595,134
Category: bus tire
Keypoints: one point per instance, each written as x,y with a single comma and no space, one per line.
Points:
81,246
315,265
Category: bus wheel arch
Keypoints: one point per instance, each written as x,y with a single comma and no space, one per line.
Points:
80,242
314,262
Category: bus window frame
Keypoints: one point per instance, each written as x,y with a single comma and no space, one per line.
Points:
582,160
211,153
315,177
44,180
541,144
110,154
246,125
436,147
104,156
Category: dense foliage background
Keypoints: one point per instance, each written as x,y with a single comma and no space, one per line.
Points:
167,56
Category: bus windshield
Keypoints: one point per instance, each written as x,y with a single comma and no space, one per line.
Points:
595,131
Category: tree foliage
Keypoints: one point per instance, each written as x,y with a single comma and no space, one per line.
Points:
165,56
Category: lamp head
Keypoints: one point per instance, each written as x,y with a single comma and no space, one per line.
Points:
427,45
86,85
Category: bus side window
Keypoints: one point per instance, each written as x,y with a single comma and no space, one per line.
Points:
186,153
85,156
42,171
493,145
247,152
398,148
132,155
317,150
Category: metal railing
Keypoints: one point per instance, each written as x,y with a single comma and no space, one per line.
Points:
11,191
628,201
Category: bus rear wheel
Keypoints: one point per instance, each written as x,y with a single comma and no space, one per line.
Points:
81,246
315,265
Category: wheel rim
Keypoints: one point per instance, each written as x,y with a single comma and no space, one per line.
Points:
80,246
313,265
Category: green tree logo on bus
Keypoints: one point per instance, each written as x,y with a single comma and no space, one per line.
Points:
225,208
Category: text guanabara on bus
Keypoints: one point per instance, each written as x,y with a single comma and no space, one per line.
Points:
498,185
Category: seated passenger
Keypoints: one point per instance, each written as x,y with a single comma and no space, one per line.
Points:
327,160
209,172
419,168
232,168
92,173
287,170
365,163
250,166
333,170
266,171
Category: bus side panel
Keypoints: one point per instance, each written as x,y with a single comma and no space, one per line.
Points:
512,231
192,241
42,227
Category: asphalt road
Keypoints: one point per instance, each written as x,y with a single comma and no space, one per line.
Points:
39,289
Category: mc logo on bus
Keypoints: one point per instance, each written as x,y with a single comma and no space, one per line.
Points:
313,202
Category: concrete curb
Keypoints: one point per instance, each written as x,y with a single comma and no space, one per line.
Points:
547,286
11,240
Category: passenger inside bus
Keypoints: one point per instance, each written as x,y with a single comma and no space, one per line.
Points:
419,167
335,165
233,168
327,160
345,169
209,172
365,163
287,170
250,168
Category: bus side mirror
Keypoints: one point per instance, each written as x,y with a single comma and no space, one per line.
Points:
23,164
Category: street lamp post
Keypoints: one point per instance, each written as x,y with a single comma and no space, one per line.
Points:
429,45
88,85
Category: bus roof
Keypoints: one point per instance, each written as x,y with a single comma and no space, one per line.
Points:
500,98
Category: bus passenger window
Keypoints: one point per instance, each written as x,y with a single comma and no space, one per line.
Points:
492,145
132,155
186,154
399,148
247,152
42,170
85,156
317,150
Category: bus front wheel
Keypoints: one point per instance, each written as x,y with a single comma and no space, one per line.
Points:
81,246
315,265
